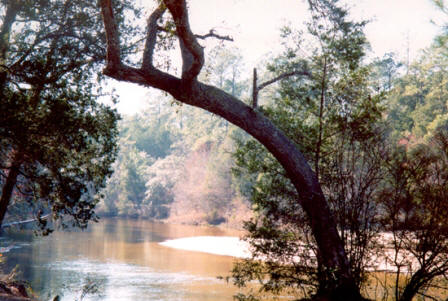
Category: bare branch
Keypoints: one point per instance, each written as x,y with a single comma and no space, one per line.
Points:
212,34
113,56
282,76
256,89
192,52
427,296
151,36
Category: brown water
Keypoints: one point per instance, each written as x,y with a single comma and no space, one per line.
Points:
125,260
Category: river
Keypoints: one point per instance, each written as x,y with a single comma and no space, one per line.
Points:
125,260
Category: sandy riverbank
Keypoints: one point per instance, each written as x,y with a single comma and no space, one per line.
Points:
217,245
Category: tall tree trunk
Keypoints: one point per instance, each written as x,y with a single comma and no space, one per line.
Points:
321,114
10,183
12,10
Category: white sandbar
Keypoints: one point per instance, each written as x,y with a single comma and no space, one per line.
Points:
218,245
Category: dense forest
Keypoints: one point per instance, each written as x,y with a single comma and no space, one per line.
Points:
175,162
335,163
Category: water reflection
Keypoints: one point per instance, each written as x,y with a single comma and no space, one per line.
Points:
125,258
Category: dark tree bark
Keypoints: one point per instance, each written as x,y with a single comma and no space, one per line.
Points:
12,9
10,183
5,31
338,283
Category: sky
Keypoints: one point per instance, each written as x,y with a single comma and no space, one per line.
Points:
395,26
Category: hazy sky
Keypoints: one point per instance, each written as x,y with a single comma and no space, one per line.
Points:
255,24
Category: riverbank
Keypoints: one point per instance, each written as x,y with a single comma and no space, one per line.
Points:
232,217
230,224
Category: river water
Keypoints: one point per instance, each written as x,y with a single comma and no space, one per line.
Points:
123,259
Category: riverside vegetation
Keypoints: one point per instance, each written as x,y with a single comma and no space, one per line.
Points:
352,151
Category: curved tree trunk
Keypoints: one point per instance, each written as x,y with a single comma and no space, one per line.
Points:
337,283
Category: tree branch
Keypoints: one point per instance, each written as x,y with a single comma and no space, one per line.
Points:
212,34
151,36
12,9
116,69
282,76
192,52
113,56
256,89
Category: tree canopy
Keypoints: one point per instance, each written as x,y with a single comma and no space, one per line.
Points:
58,142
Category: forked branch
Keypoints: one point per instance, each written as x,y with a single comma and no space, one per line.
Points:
212,34
146,75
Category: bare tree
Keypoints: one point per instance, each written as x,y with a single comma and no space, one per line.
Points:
338,282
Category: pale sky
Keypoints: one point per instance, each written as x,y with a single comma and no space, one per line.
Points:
255,24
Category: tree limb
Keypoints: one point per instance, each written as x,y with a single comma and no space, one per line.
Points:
192,52
12,9
112,38
256,89
212,34
282,76
151,36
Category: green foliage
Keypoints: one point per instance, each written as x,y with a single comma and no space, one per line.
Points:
126,188
151,136
417,101
385,71
68,152
144,173
52,128
162,178
336,118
